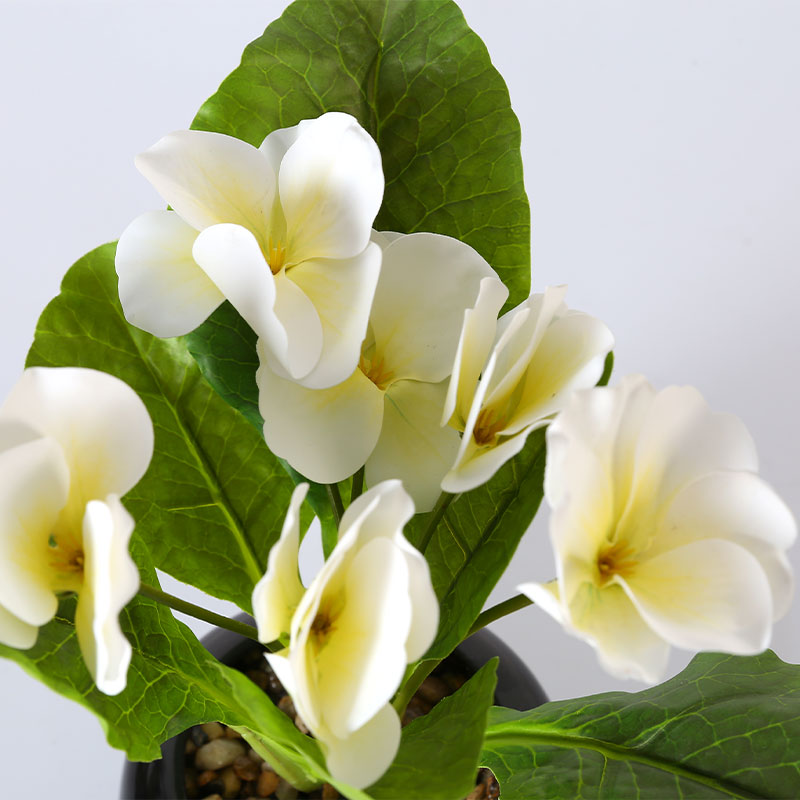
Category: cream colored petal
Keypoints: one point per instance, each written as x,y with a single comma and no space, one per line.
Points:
427,282
33,489
361,664
16,633
277,142
161,287
626,646
382,511
366,754
570,356
278,593
273,307
518,341
14,432
474,346
413,446
742,508
707,595
110,582
330,187
210,178
682,439
325,434
547,597
341,291
282,667
100,423
607,422
424,605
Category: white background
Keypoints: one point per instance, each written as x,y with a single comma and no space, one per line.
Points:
660,143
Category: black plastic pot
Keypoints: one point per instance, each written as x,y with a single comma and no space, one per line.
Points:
164,779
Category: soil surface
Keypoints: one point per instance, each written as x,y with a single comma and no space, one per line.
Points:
220,765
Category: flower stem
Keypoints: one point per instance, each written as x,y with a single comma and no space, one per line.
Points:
202,613
336,501
500,610
358,485
445,498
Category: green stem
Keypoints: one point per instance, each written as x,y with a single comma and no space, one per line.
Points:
336,502
445,498
204,614
358,485
500,610
409,688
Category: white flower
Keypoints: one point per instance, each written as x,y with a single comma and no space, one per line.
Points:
284,235
387,413
540,353
71,442
662,531
369,612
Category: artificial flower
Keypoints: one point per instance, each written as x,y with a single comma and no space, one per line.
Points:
369,612
281,231
538,354
72,441
662,530
386,414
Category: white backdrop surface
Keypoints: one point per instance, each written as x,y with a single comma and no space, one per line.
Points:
663,171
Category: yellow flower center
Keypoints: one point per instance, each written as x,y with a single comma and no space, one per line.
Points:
615,559
67,561
376,371
487,426
275,255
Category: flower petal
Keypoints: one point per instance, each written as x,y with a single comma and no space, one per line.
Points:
277,594
424,605
427,283
413,446
110,582
331,187
210,178
325,434
34,483
100,423
341,292
367,753
16,633
161,287
691,604
360,667
742,508
474,346
276,309
570,356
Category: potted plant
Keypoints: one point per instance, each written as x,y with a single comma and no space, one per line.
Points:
334,319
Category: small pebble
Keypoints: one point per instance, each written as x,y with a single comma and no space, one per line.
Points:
267,783
213,730
199,736
190,746
329,792
433,689
253,756
299,724
286,705
219,753
231,782
246,768
286,791
232,733
206,777
478,793
259,678
190,779
213,797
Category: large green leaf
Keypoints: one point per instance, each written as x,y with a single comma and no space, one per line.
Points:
727,726
476,539
421,82
173,683
438,756
213,500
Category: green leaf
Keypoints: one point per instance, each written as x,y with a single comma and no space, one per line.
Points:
173,683
421,82
727,726
438,756
214,498
476,539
